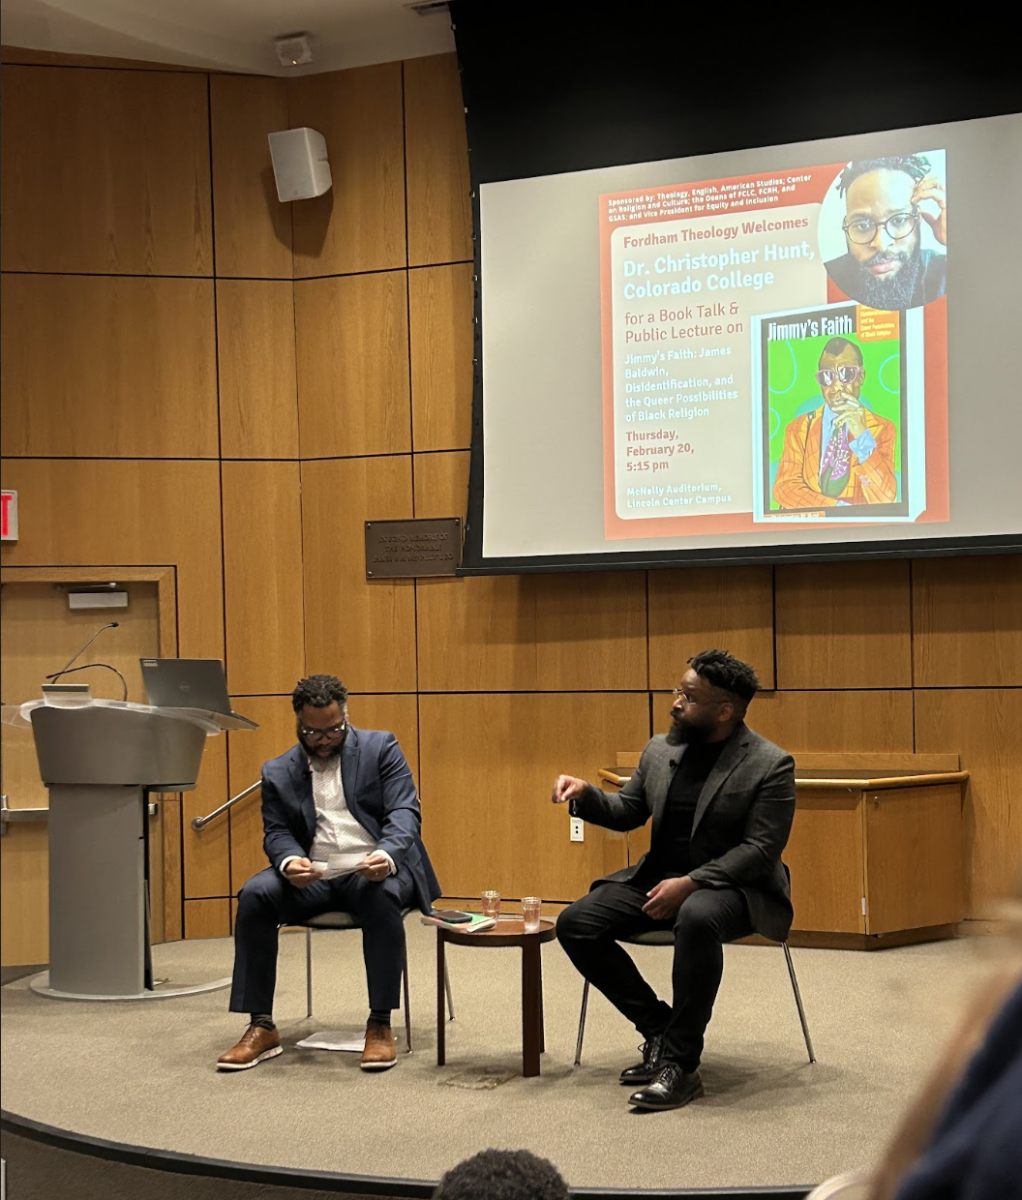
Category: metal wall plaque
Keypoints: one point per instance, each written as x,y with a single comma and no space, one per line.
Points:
406,549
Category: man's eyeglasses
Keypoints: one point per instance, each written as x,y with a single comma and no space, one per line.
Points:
827,375
862,230
689,701
322,735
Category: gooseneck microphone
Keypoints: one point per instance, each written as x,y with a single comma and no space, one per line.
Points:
64,669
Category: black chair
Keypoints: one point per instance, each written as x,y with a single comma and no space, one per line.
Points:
340,921
665,937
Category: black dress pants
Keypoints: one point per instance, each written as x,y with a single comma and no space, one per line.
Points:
268,901
588,930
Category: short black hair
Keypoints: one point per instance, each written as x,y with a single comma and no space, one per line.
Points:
726,672
837,344
502,1175
318,691
915,166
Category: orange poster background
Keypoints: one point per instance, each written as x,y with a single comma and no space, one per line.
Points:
808,185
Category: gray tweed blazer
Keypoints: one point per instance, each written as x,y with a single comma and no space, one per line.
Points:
741,823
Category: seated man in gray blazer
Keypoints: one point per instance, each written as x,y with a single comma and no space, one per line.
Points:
341,790
722,800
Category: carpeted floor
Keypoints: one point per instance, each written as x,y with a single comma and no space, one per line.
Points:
144,1073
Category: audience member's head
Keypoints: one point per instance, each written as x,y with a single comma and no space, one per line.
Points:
502,1175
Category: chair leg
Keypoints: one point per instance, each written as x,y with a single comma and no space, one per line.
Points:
582,1024
450,994
408,1008
798,1002
308,972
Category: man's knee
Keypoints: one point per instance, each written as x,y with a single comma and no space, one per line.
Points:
264,889
375,903
575,924
701,916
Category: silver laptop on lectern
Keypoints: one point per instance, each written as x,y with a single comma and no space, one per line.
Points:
189,683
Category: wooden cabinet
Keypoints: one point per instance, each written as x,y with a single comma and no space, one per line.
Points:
875,851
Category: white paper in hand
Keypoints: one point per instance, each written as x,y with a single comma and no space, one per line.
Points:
338,864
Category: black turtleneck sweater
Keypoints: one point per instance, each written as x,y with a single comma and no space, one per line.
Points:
670,853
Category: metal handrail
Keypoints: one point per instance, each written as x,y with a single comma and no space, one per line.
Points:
200,823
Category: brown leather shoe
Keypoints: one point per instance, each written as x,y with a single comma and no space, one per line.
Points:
380,1050
257,1044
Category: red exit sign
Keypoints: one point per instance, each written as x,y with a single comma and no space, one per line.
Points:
9,516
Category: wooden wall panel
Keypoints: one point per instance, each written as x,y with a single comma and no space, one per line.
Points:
697,609
590,633
251,226
105,171
439,203
25,890
258,378
840,720
983,726
399,714
206,855
127,512
247,751
207,918
113,512
844,625
108,367
967,621
359,225
440,307
352,348
441,484
526,632
173,916
490,821
362,631
263,591
532,632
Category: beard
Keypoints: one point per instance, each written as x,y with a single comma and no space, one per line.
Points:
682,732
889,294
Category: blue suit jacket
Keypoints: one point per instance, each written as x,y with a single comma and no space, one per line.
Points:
380,794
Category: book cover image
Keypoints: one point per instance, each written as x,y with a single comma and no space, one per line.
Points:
838,415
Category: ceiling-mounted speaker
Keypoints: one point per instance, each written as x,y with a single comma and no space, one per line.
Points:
300,165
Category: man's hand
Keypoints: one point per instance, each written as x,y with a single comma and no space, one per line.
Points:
667,897
375,866
929,189
567,787
853,416
301,872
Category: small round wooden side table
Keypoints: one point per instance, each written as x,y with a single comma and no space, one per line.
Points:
504,933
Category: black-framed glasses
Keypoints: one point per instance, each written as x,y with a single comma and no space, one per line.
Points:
862,230
827,376
323,735
688,700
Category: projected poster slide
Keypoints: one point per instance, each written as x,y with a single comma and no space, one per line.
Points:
691,277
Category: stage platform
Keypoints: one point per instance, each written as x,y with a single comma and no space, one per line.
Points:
141,1076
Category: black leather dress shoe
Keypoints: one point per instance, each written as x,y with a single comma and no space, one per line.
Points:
652,1055
672,1088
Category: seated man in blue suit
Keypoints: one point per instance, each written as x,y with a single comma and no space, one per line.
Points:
339,791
